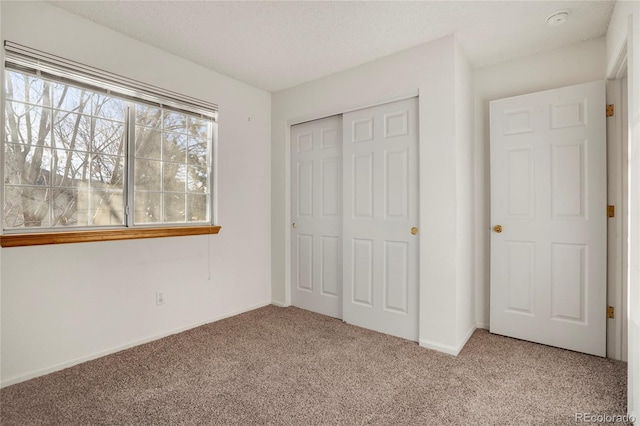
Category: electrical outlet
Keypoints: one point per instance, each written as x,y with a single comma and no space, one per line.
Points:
159,298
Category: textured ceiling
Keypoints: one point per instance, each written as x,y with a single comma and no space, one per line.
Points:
276,45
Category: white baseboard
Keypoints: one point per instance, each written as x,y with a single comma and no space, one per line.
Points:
482,325
110,351
447,349
279,304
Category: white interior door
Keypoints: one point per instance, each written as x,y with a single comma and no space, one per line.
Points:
380,202
548,194
316,204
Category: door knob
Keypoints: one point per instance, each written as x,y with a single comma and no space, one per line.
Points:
293,225
497,228
414,231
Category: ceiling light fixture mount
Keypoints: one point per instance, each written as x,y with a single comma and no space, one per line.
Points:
558,17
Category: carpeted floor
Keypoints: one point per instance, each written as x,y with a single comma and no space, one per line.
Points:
287,366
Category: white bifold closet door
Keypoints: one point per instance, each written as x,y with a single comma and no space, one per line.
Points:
316,204
354,216
380,218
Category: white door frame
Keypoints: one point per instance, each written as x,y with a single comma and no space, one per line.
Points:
287,178
617,232
628,56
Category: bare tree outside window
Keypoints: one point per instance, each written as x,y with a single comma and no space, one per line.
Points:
66,157
171,164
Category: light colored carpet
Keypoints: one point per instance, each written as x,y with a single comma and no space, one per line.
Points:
287,366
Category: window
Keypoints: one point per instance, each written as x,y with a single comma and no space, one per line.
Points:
81,152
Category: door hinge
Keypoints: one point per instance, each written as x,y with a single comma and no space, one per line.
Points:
611,312
610,110
611,211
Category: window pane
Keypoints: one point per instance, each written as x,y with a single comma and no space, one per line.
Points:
174,177
107,171
13,163
148,143
30,165
148,175
108,107
106,208
72,131
13,207
174,207
71,168
175,122
148,206
71,99
71,141
148,116
36,169
23,87
26,206
109,137
198,179
17,110
67,211
182,145
28,124
198,151
198,207
174,147
199,127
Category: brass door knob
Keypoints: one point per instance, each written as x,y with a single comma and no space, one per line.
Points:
414,231
497,228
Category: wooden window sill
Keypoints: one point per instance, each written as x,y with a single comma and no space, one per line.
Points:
103,235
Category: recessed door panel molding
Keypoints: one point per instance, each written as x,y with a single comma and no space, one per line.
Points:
329,138
396,124
305,188
363,186
520,277
305,142
331,190
568,179
548,217
380,203
569,114
305,262
362,273
568,282
362,130
316,216
518,121
396,185
331,272
520,177
396,277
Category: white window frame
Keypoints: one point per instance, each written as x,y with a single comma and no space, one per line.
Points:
31,61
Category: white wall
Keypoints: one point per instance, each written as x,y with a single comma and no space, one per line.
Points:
62,304
465,246
579,63
623,37
429,70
